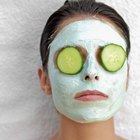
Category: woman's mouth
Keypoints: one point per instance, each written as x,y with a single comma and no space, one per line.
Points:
91,95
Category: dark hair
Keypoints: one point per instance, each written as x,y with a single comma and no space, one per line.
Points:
75,8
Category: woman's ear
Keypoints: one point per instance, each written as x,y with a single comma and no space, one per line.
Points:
44,81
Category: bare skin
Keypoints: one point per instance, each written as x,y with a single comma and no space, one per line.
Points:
70,130
91,131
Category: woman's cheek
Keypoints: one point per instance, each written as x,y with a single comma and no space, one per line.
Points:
65,84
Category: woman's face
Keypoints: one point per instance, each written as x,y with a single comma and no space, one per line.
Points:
90,36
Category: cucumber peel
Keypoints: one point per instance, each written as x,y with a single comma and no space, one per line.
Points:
69,60
112,57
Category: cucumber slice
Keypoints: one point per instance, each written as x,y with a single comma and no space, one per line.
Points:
113,57
69,60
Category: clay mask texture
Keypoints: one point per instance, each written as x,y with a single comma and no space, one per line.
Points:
91,35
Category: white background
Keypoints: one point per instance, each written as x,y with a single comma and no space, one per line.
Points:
25,112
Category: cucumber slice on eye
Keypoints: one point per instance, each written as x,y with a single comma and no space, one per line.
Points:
113,57
69,60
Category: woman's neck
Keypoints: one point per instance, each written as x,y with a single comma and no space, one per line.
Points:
70,130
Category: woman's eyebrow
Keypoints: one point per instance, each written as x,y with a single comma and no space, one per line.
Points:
72,45
109,44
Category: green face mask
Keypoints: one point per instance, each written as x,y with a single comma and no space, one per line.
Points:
73,56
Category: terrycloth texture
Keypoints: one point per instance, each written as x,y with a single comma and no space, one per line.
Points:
25,112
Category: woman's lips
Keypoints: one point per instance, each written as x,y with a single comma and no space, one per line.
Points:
91,95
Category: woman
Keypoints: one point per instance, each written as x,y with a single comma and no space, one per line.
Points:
84,50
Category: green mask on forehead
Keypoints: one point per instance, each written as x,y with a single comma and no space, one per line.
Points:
88,99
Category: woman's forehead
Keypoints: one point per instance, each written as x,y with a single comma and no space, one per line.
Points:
85,30
83,17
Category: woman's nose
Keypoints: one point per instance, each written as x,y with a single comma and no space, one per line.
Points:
91,77
90,71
